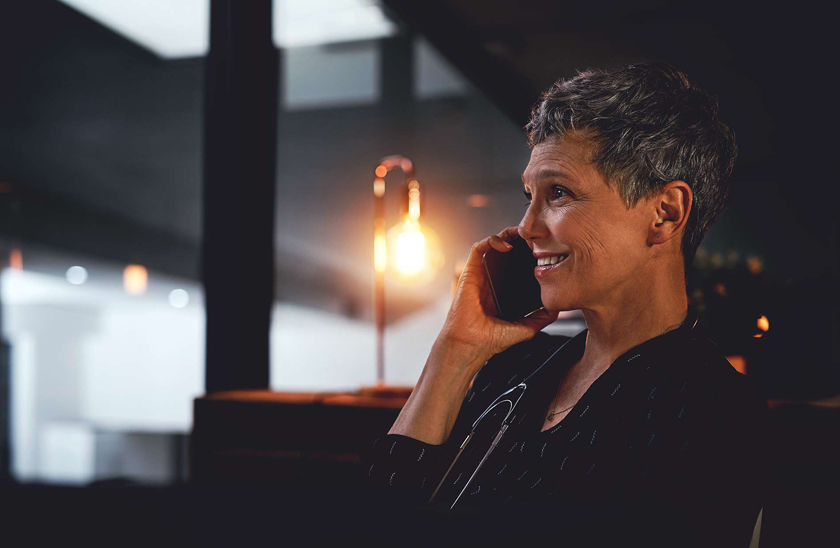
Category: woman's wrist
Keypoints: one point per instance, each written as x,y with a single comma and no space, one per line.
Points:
430,412
457,359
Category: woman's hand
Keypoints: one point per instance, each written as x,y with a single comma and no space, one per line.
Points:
471,323
471,335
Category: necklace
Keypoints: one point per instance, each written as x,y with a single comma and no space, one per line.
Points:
675,326
555,413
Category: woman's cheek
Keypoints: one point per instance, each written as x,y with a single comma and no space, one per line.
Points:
584,238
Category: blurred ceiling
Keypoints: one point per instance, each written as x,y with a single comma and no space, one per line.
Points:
173,30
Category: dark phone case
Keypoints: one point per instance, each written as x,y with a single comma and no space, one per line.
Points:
516,291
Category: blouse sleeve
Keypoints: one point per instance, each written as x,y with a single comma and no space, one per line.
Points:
410,468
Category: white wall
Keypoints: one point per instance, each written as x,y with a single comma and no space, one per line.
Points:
315,350
90,358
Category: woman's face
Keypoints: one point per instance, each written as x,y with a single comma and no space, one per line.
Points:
572,211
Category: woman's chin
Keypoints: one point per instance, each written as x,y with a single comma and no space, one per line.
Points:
553,302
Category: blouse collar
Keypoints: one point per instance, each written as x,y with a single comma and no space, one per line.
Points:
689,326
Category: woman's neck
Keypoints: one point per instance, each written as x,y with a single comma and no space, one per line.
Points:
632,319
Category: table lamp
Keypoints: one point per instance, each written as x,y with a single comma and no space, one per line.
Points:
409,249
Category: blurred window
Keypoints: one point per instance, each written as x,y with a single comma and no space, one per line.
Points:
102,135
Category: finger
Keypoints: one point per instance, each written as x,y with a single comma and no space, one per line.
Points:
509,233
473,266
499,244
480,248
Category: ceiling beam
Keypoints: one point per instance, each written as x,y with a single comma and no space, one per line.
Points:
464,47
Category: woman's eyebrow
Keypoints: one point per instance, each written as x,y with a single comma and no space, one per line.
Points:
549,173
553,174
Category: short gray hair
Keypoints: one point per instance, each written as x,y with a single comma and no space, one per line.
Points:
649,125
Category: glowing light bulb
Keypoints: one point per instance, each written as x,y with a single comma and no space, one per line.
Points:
411,248
414,253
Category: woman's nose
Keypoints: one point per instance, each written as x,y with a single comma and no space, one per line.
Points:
531,226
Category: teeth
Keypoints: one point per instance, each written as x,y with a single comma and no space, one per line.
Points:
545,261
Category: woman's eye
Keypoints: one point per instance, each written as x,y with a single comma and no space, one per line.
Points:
555,196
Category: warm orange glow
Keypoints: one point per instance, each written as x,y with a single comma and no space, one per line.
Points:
739,363
135,279
380,256
414,252
754,264
379,187
411,248
478,200
732,258
381,172
763,323
757,335
720,289
16,259
414,204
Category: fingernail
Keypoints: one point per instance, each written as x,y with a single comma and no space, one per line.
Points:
507,245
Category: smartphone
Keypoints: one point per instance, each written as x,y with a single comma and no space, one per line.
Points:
516,290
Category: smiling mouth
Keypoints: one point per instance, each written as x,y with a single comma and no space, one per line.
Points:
547,261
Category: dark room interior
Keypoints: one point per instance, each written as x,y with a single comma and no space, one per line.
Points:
198,342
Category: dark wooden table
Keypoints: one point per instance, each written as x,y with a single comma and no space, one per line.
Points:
310,440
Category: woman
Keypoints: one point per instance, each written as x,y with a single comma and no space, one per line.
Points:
628,170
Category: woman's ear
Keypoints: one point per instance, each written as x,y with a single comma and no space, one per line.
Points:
671,208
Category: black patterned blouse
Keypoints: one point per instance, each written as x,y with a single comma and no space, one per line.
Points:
670,421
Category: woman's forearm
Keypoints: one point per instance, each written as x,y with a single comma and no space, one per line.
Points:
431,410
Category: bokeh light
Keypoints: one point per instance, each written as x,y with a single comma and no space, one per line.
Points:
76,275
179,298
763,323
135,279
